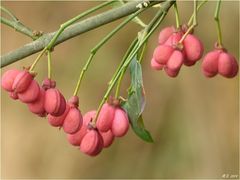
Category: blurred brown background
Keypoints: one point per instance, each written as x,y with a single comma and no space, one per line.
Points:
193,120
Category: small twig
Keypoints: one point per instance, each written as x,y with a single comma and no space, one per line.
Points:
17,25
74,30
216,18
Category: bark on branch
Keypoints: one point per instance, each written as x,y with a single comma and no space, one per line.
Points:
72,31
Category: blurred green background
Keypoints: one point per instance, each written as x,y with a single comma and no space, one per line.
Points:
193,120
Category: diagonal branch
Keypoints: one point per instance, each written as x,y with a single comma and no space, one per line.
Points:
74,30
17,25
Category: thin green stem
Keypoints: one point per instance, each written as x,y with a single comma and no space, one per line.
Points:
73,20
16,24
119,85
216,17
100,44
198,7
64,26
176,15
37,59
124,58
49,65
127,62
142,52
9,13
194,22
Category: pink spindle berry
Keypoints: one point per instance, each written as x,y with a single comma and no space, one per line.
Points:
164,34
55,103
73,121
108,138
193,48
22,81
37,106
8,79
162,53
105,117
155,65
227,65
120,123
76,138
57,121
30,94
175,61
92,143
210,63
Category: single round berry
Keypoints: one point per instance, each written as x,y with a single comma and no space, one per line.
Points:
73,120
92,143
193,48
227,65
37,106
210,63
8,79
108,138
30,94
105,117
162,53
55,103
22,81
57,121
175,61
120,123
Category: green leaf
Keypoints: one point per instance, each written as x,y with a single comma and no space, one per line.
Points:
135,104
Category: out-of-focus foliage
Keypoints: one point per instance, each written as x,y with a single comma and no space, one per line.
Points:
193,120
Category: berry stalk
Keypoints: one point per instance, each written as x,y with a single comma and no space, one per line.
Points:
64,26
194,22
216,18
100,44
176,15
49,65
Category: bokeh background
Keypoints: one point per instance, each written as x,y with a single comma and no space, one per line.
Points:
193,120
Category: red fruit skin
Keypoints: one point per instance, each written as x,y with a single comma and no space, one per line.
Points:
55,103
73,121
193,48
57,121
22,81
227,65
170,72
13,95
37,106
30,94
108,138
174,39
76,138
120,123
91,143
186,62
8,79
175,61
165,34
105,117
162,53
210,63
155,65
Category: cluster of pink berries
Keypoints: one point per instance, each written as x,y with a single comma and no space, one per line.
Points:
174,49
112,122
47,100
